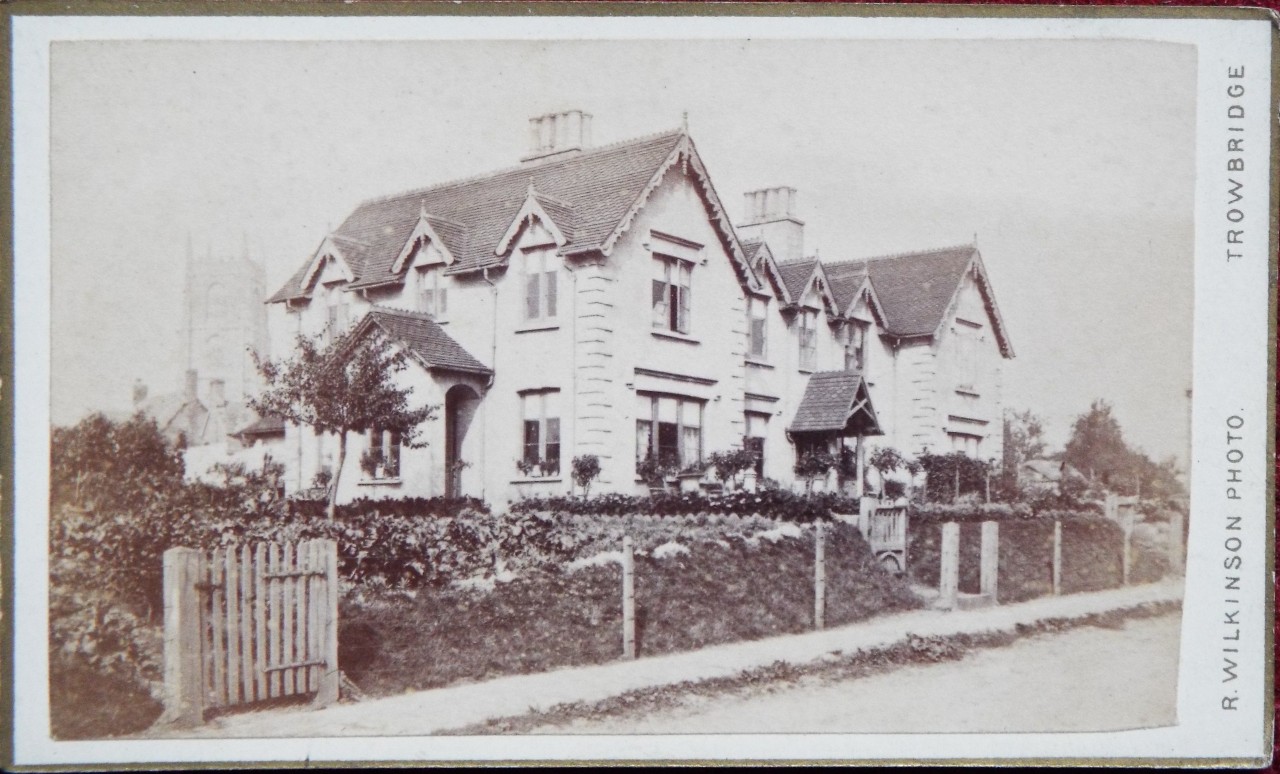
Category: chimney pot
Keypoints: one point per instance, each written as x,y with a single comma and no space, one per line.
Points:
139,392
217,392
190,388
770,215
552,134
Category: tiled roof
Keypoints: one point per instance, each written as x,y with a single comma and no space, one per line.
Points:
914,289
795,275
587,194
425,340
268,425
845,279
829,402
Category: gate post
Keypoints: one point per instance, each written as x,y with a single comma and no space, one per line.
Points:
819,577
949,571
183,665
628,599
989,569
330,677
1057,557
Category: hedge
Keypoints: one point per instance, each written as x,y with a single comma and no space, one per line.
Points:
772,503
724,589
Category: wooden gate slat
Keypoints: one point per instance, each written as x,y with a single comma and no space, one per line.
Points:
317,588
274,620
246,623
231,593
300,611
287,655
260,623
218,616
205,577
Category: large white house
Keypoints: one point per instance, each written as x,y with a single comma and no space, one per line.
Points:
598,300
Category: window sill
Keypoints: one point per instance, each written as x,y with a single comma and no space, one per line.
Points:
806,371
539,480
379,482
759,363
969,391
538,326
674,336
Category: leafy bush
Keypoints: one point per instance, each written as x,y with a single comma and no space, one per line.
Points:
409,507
770,503
951,476
586,468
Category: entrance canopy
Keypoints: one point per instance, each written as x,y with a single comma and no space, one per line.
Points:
836,402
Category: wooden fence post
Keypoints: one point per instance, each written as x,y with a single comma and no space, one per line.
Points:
989,568
1126,557
949,571
330,677
628,599
183,666
819,577
1175,542
1057,557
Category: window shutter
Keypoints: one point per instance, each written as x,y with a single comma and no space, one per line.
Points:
682,321
659,304
551,294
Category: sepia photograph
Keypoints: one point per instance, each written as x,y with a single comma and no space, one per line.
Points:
637,388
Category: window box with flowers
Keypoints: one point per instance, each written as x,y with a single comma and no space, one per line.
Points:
380,461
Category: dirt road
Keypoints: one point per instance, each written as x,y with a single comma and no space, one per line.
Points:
1087,679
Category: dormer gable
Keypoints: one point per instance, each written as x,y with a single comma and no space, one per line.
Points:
866,305
817,293
329,264
424,247
537,224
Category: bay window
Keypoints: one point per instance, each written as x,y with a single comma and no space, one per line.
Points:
669,430
541,432
757,430
671,283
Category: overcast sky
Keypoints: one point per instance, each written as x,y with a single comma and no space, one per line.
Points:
1071,161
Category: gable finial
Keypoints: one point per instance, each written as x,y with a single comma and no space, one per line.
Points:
684,121
975,239
530,191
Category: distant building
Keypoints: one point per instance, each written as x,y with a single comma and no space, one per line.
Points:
597,300
223,321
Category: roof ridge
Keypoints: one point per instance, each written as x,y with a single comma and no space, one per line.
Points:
401,312
795,261
535,165
904,254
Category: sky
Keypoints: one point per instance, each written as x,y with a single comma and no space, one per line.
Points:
1070,162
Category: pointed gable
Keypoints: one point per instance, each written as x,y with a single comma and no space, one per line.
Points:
916,291
836,402
801,276
539,209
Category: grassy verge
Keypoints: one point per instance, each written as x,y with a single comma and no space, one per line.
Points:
85,703
708,593
913,650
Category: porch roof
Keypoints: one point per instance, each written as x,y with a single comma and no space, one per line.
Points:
836,402
425,340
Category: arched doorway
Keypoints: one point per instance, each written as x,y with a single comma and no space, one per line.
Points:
460,404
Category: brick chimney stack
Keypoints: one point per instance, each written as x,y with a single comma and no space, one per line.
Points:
554,134
770,215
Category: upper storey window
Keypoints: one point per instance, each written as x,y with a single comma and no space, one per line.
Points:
968,337
433,296
757,319
540,280
855,354
808,322
336,307
671,294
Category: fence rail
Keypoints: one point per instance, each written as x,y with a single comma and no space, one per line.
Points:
246,624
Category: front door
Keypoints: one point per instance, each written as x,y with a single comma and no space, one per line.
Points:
460,404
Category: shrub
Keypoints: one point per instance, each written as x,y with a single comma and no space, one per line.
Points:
771,503
586,468
731,464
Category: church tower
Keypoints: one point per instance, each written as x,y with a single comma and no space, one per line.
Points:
224,319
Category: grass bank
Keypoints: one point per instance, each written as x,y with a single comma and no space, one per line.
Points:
689,595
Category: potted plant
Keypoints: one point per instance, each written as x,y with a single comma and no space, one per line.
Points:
654,473
814,466
586,468
731,464
690,476
371,464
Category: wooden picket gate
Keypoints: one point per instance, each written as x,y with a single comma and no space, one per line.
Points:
245,624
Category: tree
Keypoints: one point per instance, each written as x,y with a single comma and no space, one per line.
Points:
1097,447
886,460
347,386
1023,440
98,463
